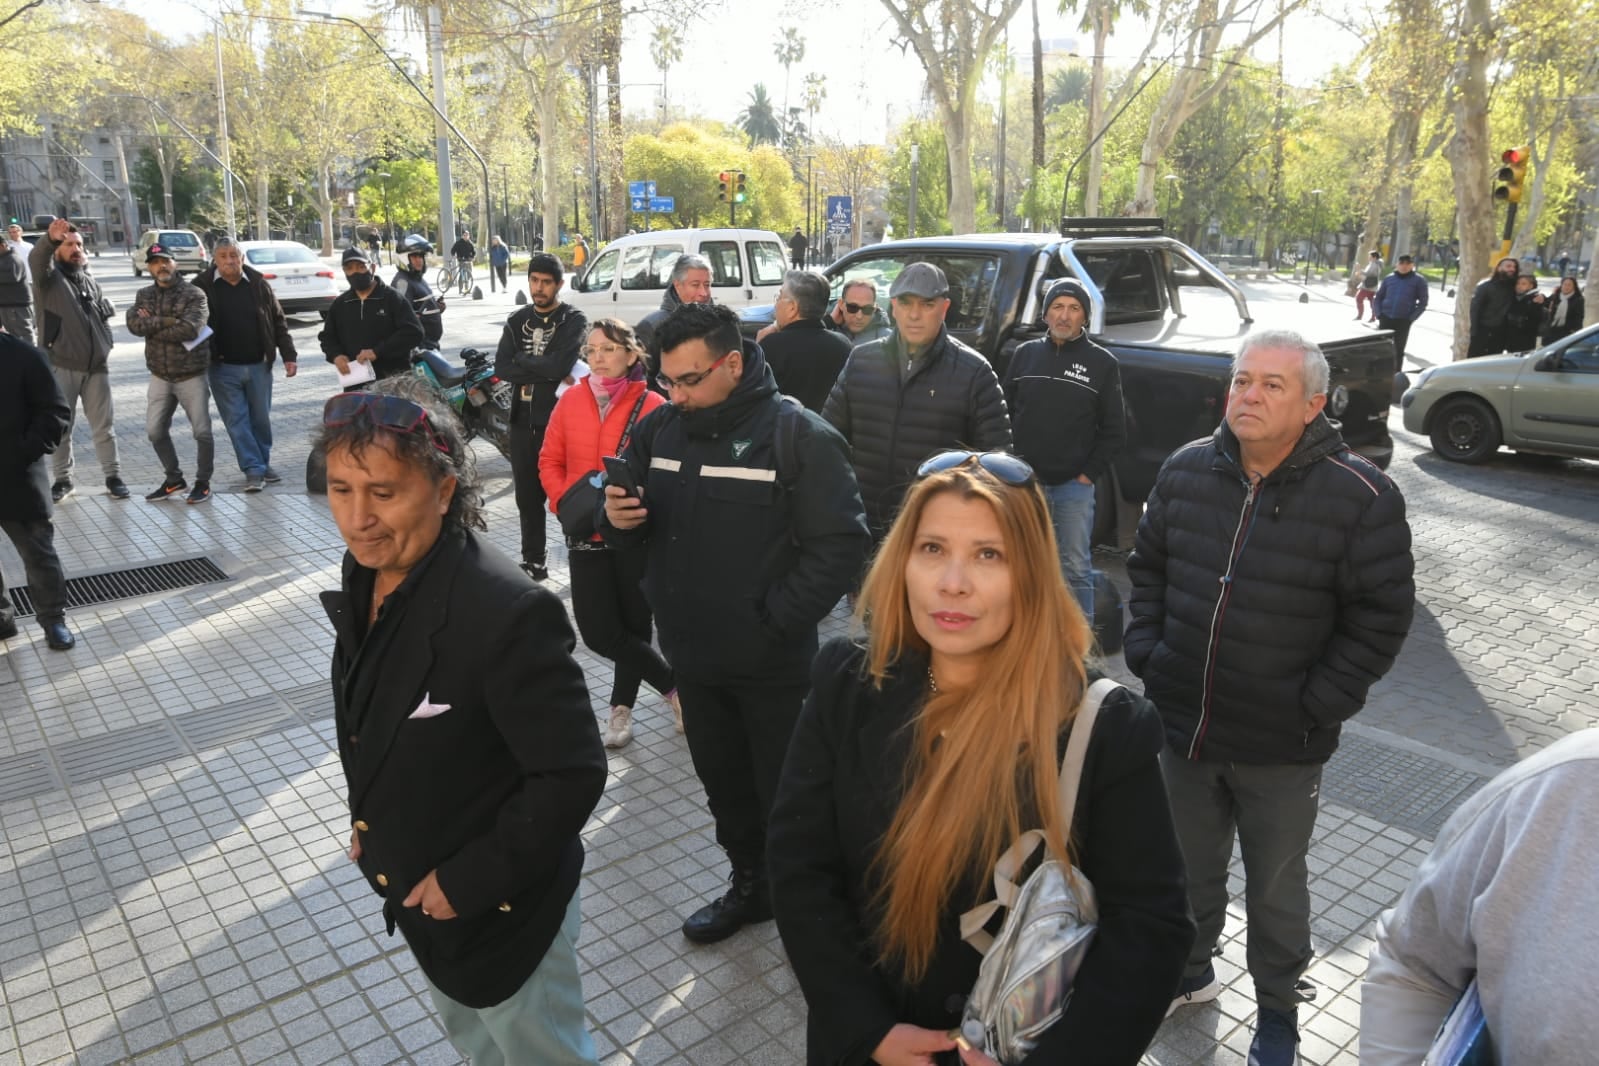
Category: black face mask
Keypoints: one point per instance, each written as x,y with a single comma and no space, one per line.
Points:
360,281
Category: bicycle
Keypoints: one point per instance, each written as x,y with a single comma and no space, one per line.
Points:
459,276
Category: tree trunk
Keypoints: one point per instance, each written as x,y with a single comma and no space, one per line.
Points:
130,208
613,102
324,205
1099,14
263,225
1532,201
548,115
962,197
1038,111
1469,157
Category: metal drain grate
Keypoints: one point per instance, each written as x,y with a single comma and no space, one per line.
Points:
125,584
1395,786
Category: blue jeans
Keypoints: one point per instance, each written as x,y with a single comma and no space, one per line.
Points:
244,399
1071,509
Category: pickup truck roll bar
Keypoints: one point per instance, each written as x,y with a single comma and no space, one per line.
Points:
1068,253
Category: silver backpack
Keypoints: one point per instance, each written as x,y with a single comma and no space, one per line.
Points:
1026,977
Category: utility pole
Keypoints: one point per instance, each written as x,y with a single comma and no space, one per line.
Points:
222,135
916,158
441,130
999,192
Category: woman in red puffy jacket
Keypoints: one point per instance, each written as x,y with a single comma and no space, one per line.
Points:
592,419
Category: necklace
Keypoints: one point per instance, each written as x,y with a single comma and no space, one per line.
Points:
932,682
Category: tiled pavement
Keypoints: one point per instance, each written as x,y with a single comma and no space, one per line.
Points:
173,886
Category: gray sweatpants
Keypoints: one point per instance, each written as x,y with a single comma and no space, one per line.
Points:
95,392
1272,810
195,396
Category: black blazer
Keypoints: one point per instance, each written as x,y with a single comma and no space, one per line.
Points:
837,796
33,418
805,357
491,792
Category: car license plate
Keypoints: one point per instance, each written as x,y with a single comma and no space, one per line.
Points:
295,281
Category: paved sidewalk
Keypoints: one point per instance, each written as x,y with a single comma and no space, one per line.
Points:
173,886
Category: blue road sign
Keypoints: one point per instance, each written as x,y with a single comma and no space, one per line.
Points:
663,204
840,212
640,190
639,203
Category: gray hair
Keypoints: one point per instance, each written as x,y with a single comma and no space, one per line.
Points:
809,291
1314,372
687,262
418,449
852,282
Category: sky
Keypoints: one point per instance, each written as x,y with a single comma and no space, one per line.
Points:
872,85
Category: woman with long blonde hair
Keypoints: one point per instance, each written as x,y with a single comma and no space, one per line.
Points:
924,751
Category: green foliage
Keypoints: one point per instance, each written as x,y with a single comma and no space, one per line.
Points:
759,119
683,161
193,187
932,182
413,194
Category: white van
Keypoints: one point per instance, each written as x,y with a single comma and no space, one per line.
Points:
629,276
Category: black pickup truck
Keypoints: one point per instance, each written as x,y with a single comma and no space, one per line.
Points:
1171,317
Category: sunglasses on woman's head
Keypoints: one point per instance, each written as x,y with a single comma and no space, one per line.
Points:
1003,465
393,413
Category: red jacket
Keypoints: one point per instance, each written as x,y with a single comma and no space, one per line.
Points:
575,439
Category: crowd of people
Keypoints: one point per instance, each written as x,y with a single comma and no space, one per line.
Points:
720,495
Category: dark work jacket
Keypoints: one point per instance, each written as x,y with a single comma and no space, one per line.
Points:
1491,303
745,557
1573,322
895,418
270,321
1262,615
383,322
530,355
1065,404
840,788
33,418
73,314
15,288
806,357
413,285
492,792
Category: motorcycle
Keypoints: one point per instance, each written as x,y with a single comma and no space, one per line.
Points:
474,392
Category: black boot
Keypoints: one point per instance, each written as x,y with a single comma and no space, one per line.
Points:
748,900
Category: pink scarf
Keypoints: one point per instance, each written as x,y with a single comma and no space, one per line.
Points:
607,389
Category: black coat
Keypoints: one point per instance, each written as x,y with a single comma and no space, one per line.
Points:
806,357
840,788
493,792
1524,323
745,556
1065,403
894,418
383,322
33,418
270,321
1261,616
1491,303
429,308
540,358
1574,313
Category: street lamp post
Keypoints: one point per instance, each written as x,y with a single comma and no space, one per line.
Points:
1315,235
388,226
1171,188
916,158
505,197
577,177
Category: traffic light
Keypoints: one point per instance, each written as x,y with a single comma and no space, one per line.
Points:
739,193
1512,175
724,186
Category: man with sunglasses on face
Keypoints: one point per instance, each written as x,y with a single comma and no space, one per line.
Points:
753,530
856,314
74,330
918,392
538,348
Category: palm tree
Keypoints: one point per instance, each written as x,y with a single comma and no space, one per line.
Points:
789,49
815,93
758,119
666,49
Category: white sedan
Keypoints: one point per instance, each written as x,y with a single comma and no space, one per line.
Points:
300,280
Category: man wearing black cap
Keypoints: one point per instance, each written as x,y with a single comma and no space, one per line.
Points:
538,348
173,316
1401,300
1064,394
917,392
370,323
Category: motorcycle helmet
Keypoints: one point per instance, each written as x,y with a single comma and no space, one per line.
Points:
415,244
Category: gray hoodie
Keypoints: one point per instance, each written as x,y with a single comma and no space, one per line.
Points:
72,312
1509,894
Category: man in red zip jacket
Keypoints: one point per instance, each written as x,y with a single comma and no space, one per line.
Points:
1272,587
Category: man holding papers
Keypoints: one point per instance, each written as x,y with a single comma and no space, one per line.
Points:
171,317
370,329
249,331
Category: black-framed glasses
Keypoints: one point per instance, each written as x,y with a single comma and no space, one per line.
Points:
859,309
1003,465
693,378
393,413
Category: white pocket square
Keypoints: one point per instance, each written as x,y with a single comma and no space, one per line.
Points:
429,710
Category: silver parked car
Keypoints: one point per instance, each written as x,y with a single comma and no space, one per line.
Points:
1544,401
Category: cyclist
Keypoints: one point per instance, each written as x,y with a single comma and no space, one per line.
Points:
463,250
410,281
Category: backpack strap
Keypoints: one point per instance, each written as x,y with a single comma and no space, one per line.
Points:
1015,857
789,414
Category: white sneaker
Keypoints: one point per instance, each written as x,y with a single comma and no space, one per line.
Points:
620,729
677,708
1201,988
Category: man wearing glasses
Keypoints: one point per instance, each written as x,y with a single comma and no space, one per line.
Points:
917,392
856,314
753,529
538,348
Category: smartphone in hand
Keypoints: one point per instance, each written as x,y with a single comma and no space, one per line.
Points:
618,473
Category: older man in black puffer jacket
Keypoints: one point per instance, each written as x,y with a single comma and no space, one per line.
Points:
1272,587
918,392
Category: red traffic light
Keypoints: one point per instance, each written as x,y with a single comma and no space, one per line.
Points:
1513,156
724,177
